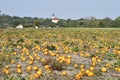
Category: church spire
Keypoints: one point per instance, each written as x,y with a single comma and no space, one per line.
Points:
53,15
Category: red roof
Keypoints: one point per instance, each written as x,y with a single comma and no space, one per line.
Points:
55,18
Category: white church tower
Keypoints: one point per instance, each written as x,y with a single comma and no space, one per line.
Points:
54,19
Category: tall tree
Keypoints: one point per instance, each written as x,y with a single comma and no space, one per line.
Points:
116,22
37,23
107,22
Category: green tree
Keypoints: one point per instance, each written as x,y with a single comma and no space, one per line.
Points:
116,22
16,22
37,23
101,24
107,22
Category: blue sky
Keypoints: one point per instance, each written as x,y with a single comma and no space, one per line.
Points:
73,9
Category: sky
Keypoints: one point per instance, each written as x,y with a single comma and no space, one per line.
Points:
64,9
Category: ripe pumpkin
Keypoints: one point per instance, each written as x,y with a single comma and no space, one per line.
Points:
103,69
29,68
64,73
90,74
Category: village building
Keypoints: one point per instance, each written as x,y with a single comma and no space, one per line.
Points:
55,19
19,26
36,26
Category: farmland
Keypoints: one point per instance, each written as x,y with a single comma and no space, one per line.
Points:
60,54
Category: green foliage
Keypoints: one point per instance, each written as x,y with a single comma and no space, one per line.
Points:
116,22
98,72
101,24
55,65
117,64
37,23
28,25
111,56
14,78
20,40
51,47
68,43
76,49
8,21
36,42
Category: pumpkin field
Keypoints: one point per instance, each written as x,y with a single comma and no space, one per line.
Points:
60,54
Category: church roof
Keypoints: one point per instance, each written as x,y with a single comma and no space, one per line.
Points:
55,18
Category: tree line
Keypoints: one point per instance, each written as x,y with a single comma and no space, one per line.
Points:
92,22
